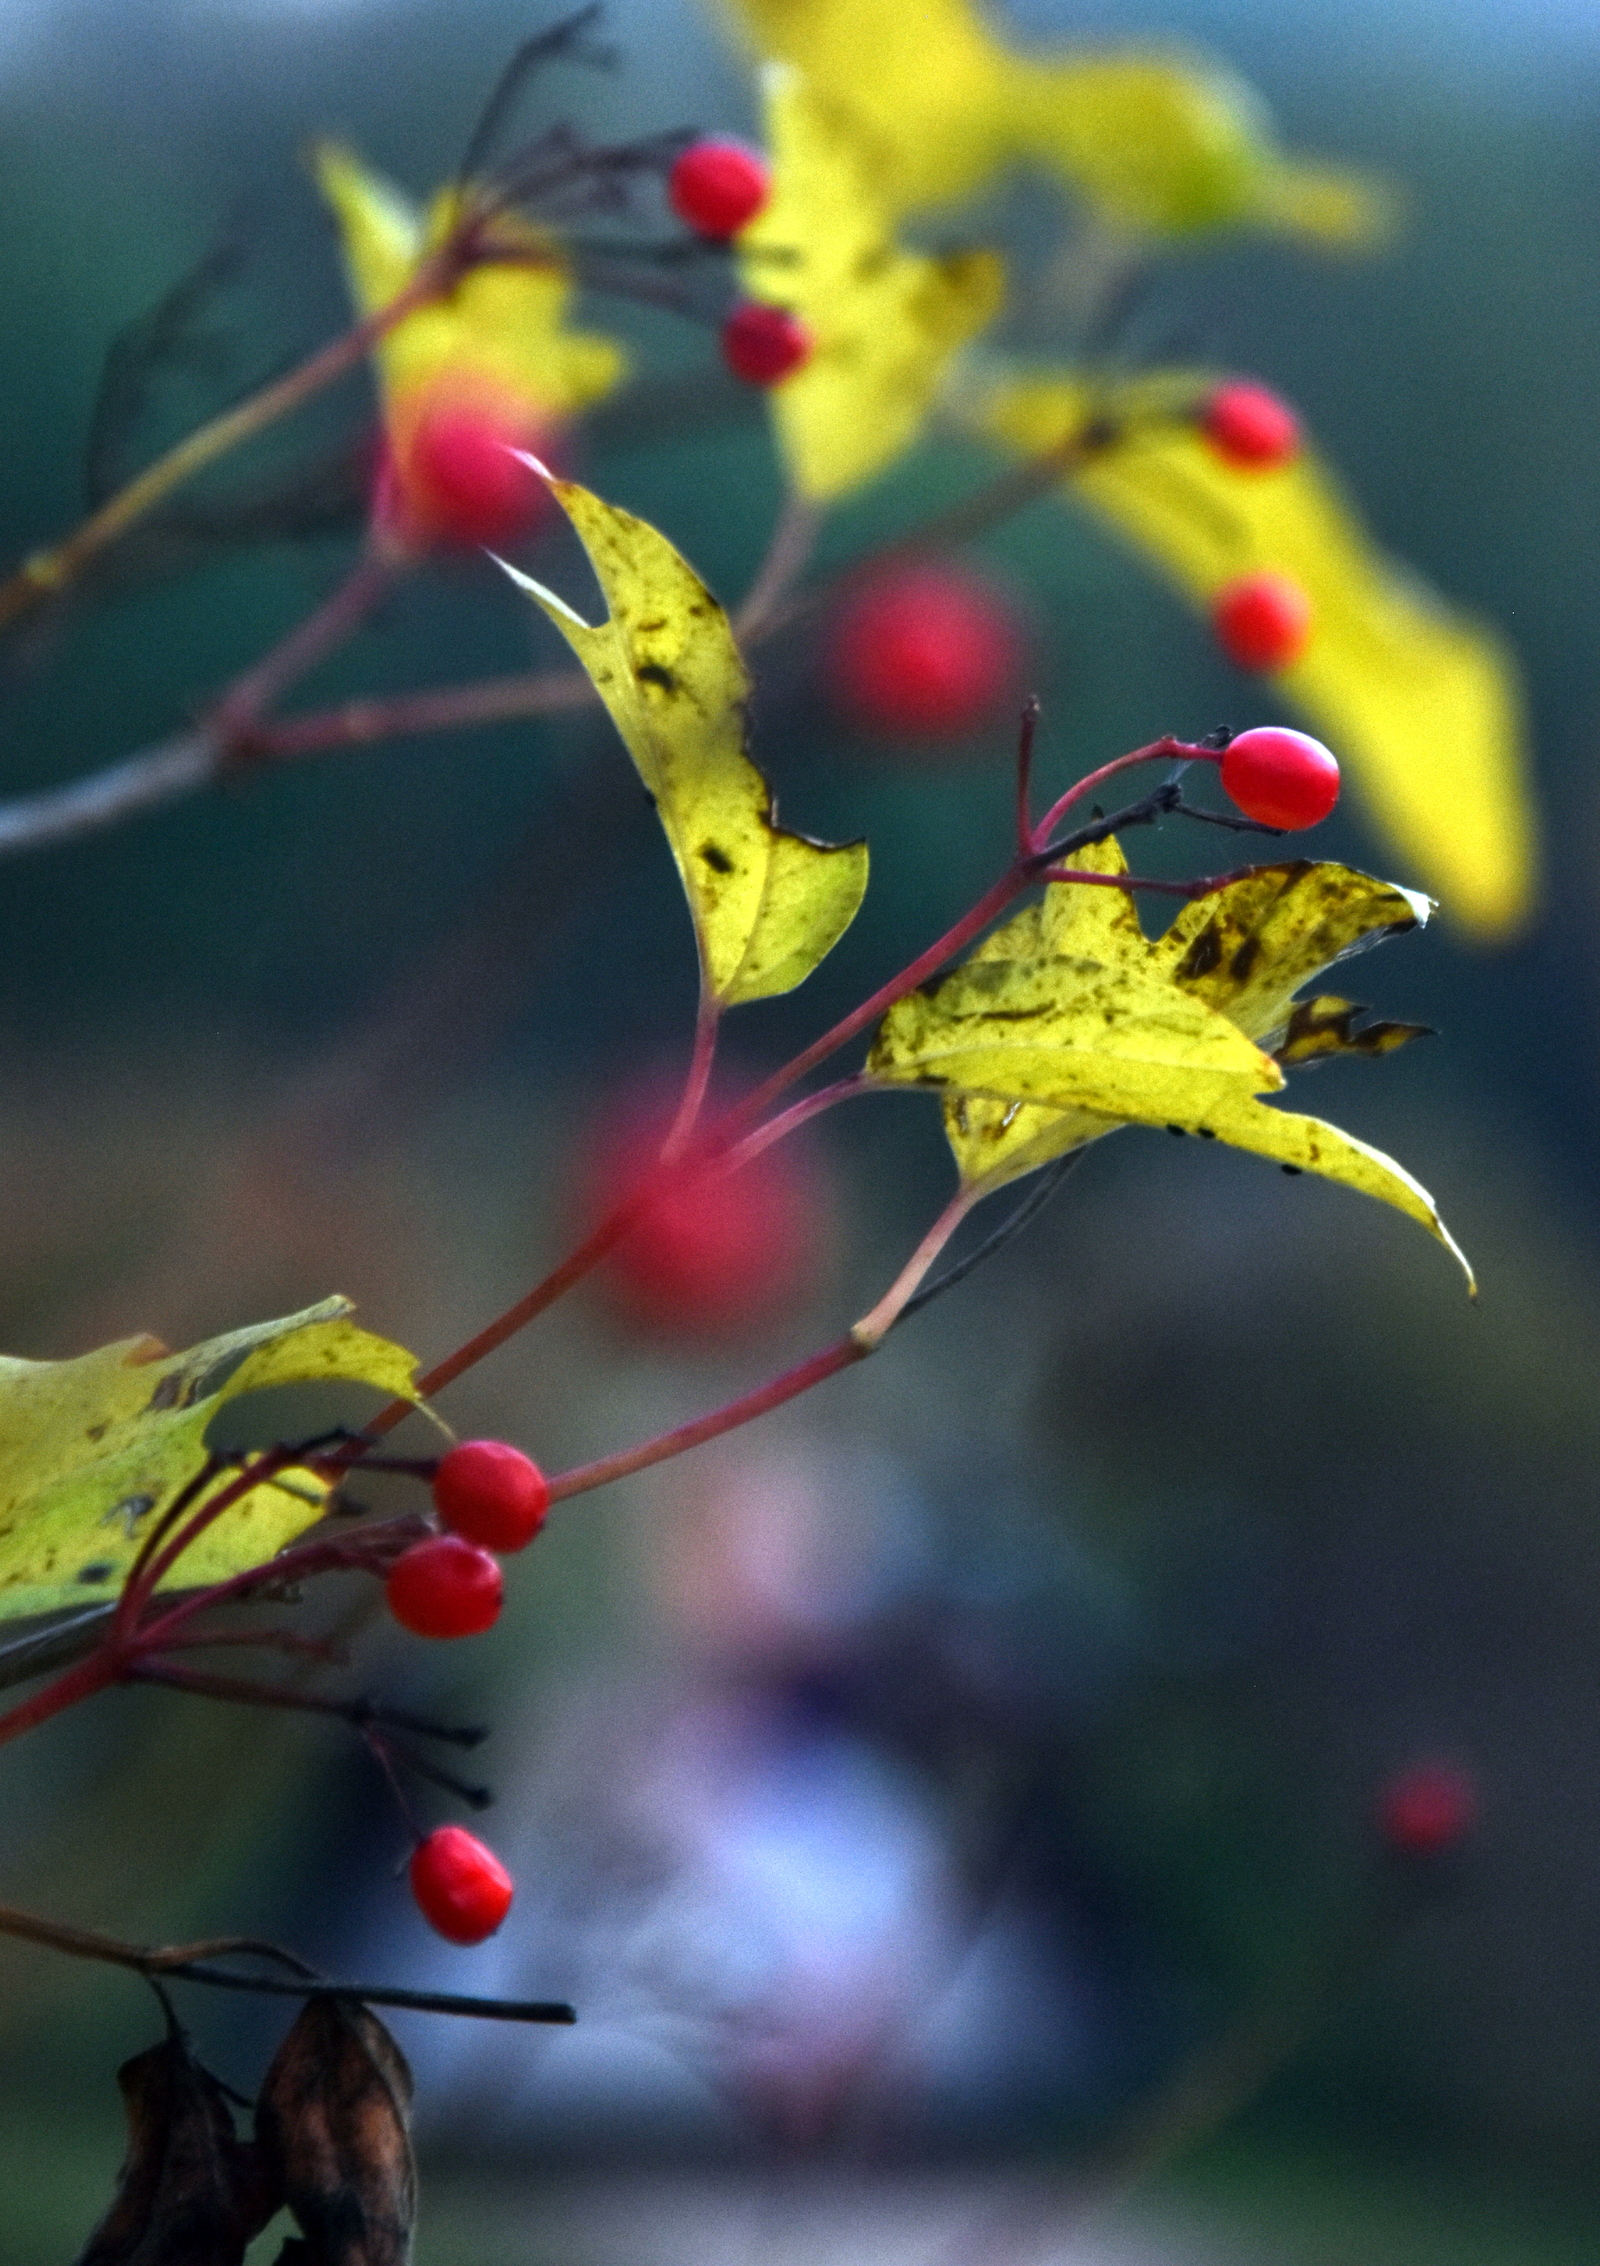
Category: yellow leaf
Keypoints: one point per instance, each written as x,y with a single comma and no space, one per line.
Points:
93,1450
499,336
1152,141
884,322
1068,1022
1422,707
766,905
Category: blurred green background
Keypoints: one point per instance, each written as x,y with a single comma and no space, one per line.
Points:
1063,1649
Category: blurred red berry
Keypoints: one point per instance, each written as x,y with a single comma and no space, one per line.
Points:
454,478
930,652
763,344
708,1256
462,1889
1428,1809
1262,621
1248,425
1280,777
445,1587
718,185
492,1494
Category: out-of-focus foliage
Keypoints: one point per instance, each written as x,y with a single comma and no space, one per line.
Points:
1423,707
766,904
93,1450
1152,141
884,322
502,331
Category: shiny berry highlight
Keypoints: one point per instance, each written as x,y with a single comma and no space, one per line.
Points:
490,1493
445,1587
1280,777
461,1888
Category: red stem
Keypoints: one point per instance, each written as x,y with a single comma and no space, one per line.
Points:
773,1394
1164,749
97,1673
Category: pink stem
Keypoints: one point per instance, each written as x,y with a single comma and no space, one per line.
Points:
860,1340
811,1372
324,629
1166,749
97,1673
707,1024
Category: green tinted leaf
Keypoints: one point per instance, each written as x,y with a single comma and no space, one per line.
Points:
92,1450
766,904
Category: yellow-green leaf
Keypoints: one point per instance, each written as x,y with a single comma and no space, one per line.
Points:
501,332
884,322
93,1450
1068,1022
766,904
1152,141
1421,707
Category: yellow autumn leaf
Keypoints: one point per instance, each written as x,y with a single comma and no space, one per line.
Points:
1067,1023
1422,707
884,322
766,904
93,1450
498,342
1151,140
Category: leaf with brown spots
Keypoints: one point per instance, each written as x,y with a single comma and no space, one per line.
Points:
92,1450
1325,1026
766,904
334,2129
1068,1022
190,2192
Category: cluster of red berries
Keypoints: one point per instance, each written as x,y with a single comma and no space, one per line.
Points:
718,186
492,1498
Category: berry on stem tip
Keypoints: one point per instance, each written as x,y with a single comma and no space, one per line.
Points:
461,1888
445,1587
764,345
1280,777
490,1493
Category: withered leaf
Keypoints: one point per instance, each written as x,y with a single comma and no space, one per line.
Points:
190,2192
1326,1025
333,2126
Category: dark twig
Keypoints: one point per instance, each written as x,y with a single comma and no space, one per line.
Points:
563,42
1044,1187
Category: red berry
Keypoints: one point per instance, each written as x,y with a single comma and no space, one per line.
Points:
763,344
931,651
708,1257
445,1587
1262,621
458,480
1428,1809
718,185
1248,425
1280,777
462,1889
492,1494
